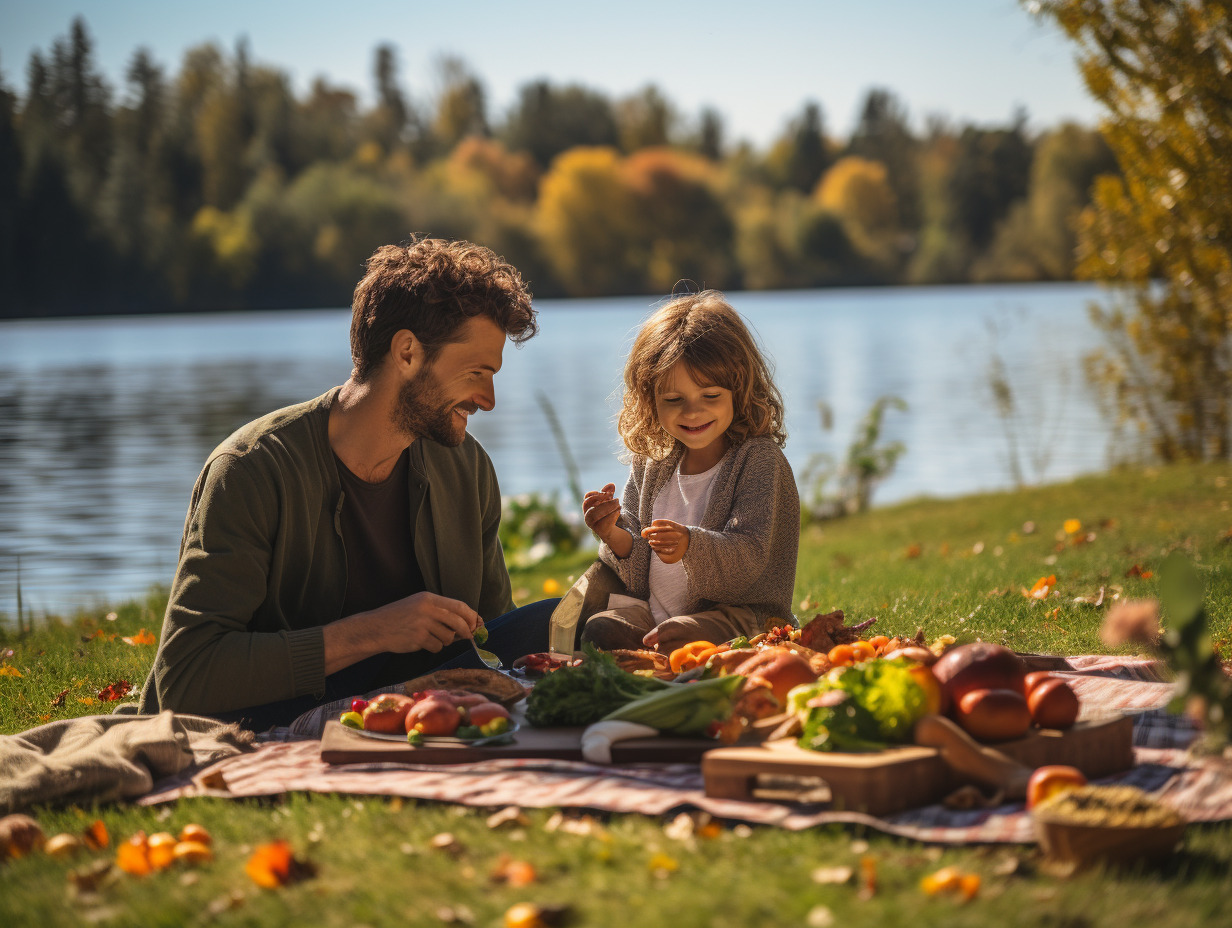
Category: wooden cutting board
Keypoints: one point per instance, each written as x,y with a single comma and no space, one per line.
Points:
900,778
342,745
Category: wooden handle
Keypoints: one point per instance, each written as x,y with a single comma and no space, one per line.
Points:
968,758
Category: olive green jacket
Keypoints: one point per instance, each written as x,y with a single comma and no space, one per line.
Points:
262,566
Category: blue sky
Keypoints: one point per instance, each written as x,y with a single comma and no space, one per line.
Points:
967,60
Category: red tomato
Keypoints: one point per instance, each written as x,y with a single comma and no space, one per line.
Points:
359,704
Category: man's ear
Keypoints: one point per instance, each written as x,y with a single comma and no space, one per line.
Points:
406,352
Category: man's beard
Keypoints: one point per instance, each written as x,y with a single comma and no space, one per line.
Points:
423,412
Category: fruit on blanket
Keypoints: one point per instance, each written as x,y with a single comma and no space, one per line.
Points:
387,713
993,714
1053,704
935,699
978,666
485,712
433,715
1050,780
1034,679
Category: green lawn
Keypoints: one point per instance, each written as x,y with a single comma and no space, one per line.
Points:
952,567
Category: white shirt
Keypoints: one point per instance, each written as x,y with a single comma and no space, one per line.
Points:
683,499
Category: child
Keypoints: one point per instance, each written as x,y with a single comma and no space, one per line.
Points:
705,537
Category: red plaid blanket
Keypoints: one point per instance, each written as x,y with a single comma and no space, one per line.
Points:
1200,789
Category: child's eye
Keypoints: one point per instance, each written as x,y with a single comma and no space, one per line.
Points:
671,399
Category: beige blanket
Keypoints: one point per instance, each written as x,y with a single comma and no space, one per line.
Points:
103,758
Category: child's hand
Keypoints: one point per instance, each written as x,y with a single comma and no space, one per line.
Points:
600,510
668,539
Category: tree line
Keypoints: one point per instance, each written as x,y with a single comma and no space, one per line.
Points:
217,187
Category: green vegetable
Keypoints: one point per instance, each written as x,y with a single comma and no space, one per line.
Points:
480,635
586,693
414,738
683,708
866,707
469,732
741,642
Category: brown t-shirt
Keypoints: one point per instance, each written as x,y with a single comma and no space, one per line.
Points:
376,522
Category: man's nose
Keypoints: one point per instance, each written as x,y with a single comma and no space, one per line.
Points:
485,397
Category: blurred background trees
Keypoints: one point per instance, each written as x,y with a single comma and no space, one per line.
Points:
212,184
1160,230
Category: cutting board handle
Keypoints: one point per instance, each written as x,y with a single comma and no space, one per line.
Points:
970,759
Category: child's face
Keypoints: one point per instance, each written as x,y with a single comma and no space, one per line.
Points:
698,414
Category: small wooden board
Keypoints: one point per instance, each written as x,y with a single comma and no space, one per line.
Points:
341,745
900,778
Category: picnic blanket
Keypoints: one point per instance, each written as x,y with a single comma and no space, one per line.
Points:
1200,789
102,758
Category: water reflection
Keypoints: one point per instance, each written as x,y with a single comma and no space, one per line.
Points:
104,424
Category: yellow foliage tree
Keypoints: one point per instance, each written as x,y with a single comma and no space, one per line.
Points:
1161,233
859,192
587,223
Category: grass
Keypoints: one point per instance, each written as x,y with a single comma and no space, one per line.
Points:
952,567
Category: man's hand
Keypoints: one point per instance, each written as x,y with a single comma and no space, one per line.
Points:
421,622
668,539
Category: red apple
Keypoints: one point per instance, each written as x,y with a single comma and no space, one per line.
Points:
1034,679
993,715
1053,704
978,666
386,713
1050,780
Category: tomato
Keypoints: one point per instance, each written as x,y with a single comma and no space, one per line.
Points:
359,704
1050,780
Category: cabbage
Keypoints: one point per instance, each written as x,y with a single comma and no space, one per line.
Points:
864,707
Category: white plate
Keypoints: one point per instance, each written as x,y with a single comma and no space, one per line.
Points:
436,739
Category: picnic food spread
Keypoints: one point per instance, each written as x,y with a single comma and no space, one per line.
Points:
870,717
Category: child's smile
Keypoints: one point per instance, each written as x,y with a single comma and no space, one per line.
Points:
697,415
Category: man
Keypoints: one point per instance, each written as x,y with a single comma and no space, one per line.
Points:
350,542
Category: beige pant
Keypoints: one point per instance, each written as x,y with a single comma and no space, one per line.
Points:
625,626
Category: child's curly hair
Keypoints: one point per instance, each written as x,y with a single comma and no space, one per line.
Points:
708,335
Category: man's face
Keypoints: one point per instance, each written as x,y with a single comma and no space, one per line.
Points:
438,400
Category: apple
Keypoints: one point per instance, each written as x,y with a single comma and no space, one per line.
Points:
386,713
993,714
1034,679
978,666
1050,780
1053,704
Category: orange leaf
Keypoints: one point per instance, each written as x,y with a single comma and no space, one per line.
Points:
7,671
133,856
273,865
96,836
113,691
58,699
914,551
142,637
1043,586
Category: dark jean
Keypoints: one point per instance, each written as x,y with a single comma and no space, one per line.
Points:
522,631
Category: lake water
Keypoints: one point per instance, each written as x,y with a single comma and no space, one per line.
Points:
104,423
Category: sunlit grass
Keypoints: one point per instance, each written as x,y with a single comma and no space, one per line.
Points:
914,565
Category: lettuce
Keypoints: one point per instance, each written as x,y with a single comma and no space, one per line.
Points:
864,707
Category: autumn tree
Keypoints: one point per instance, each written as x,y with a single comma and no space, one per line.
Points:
858,192
1161,232
883,134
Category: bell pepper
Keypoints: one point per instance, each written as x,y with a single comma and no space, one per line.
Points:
693,654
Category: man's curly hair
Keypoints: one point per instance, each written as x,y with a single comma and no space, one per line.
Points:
432,287
704,332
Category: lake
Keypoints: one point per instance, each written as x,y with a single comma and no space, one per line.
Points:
104,423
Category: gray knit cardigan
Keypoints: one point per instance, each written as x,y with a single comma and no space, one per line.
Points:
744,551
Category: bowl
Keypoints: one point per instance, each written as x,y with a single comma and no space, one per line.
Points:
1085,845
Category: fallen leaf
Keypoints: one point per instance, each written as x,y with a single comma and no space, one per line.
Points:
1072,526
96,836
510,815
113,691
1137,571
836,875
662,864
513,872
58,700
87,700
272,865
7,671
1043,586
1095,599
142,637
868,877
914,551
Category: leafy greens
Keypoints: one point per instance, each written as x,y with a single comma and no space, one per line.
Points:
859,708
586,693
